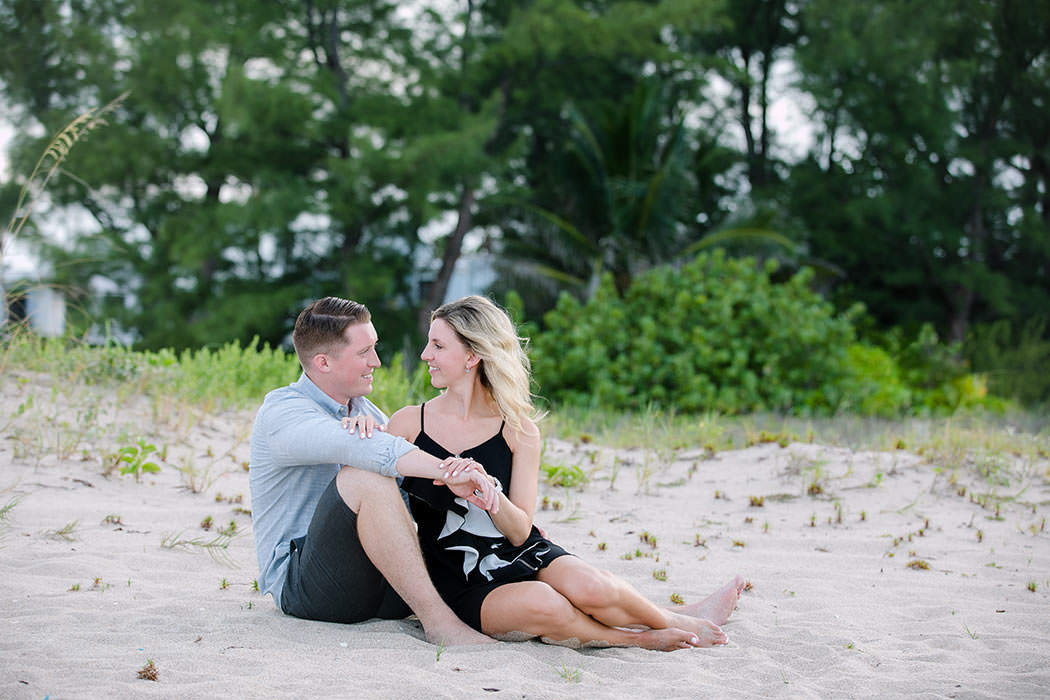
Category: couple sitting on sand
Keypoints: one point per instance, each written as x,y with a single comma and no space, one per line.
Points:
335,541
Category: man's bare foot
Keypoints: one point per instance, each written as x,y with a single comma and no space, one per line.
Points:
455,634
718,606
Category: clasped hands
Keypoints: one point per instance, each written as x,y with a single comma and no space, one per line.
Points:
462,475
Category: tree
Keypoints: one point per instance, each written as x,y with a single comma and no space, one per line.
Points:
267,155
910,191
743,48
627,199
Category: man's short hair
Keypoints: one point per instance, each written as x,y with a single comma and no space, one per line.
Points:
320,326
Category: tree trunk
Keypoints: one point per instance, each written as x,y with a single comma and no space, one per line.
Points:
453,246
960,318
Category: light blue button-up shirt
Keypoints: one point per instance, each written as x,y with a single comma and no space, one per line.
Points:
297,448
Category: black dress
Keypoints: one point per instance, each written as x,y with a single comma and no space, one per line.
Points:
466,555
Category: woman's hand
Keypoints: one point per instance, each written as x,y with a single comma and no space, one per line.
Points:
467,479
362,424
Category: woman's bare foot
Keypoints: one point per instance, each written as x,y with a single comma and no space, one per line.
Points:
718,606
707,633
670,639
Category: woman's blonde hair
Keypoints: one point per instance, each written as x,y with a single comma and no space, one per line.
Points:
488,332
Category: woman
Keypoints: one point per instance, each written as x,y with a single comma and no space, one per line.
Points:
495,569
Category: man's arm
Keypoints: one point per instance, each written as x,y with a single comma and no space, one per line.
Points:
310,436
299,433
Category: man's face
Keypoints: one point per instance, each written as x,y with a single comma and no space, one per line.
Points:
349,368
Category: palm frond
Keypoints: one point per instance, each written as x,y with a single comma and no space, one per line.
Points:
734,235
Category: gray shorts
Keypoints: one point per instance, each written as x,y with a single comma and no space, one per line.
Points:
330,578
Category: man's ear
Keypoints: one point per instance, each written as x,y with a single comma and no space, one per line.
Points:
320,363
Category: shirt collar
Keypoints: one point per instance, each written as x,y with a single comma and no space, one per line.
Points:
306,386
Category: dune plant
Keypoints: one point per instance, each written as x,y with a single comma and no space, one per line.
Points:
564,475
217,547
134,459
46,168
571,675
5,516
149,671
67,532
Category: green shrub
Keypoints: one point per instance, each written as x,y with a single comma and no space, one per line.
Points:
716,334
227,376
900,374
873,385
1016,361
394,386
230,376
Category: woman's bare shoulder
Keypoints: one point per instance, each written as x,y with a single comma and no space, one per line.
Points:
527,437
405,422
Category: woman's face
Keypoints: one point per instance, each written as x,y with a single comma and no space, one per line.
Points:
446,356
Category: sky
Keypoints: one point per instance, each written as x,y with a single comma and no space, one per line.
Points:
17,261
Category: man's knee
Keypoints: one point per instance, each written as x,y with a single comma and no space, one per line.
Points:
358,485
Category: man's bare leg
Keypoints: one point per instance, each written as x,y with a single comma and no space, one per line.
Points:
388,536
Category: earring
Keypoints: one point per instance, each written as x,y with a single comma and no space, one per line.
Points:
468,370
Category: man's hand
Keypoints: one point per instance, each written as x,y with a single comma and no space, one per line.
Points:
467,479
362,424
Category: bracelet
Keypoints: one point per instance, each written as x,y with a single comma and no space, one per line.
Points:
497,484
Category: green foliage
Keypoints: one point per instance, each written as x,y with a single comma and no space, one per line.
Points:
873,385
909,192
877,385
716,334
719,335
266,167
395,386
1016,361
228,376
563,475
918,376
134,459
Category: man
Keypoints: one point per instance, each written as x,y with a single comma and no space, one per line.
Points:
336,542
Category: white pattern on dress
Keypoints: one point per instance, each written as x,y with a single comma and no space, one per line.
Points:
476,522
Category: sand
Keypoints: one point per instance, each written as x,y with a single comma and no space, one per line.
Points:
892,581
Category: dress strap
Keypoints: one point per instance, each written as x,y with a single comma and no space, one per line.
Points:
421,407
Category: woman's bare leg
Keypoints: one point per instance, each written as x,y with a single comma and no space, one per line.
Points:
534,609
614,602
718,606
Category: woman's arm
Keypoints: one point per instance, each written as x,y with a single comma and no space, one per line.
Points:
517,504
475,486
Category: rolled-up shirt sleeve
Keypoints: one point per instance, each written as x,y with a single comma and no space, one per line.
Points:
298,432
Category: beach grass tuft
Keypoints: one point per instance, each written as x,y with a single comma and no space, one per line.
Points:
149,672
217,547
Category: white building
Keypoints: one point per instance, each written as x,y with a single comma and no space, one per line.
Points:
41,307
